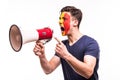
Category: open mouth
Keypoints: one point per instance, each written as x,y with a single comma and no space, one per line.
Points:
62,29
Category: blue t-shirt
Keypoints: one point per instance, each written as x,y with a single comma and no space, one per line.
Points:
84,46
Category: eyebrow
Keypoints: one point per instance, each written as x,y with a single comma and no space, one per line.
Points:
63,18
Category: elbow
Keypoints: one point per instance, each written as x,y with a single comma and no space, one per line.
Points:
89,74
86,74
47,72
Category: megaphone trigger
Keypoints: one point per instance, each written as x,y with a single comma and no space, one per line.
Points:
46,41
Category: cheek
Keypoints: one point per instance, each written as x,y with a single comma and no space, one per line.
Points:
66,23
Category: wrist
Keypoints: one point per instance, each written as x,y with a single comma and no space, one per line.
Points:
42,56
67,57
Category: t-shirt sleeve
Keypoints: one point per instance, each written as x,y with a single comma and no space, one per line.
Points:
92,48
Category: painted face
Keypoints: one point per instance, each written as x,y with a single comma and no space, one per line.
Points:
64,22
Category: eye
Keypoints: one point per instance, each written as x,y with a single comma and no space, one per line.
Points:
59,18
64,18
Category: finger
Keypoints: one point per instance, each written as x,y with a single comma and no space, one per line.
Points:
38,41
35,50
41,45
57,49
58,40
37,53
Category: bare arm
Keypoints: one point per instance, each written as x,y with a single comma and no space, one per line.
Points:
48,66
84,68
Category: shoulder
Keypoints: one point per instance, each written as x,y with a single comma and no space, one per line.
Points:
91,43
89,39
92,47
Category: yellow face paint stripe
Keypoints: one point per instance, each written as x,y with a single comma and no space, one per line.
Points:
62,21
61,18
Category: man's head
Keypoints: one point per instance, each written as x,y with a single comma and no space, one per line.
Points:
70,16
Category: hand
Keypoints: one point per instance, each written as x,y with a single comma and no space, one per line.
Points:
39,49
61,49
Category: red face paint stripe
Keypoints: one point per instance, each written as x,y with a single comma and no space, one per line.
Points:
66,22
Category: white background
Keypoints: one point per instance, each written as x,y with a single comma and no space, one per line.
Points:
101,20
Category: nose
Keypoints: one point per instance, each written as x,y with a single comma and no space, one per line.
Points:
61,22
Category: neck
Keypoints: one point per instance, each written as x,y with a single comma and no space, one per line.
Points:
75,36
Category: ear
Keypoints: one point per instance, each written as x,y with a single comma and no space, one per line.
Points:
75,22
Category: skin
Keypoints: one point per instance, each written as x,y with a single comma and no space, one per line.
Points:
84,68
64,21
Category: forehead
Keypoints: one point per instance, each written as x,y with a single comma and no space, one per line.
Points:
65,14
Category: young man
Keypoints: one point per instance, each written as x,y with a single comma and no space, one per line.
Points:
79,54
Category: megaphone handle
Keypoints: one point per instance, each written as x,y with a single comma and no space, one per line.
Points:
45,41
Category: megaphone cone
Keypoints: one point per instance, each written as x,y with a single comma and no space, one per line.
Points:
18,37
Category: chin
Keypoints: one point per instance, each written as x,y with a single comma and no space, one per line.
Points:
63,33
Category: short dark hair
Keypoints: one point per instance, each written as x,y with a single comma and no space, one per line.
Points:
77,13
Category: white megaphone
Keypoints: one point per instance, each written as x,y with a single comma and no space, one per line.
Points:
18,37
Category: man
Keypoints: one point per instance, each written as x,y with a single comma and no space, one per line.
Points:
79,54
